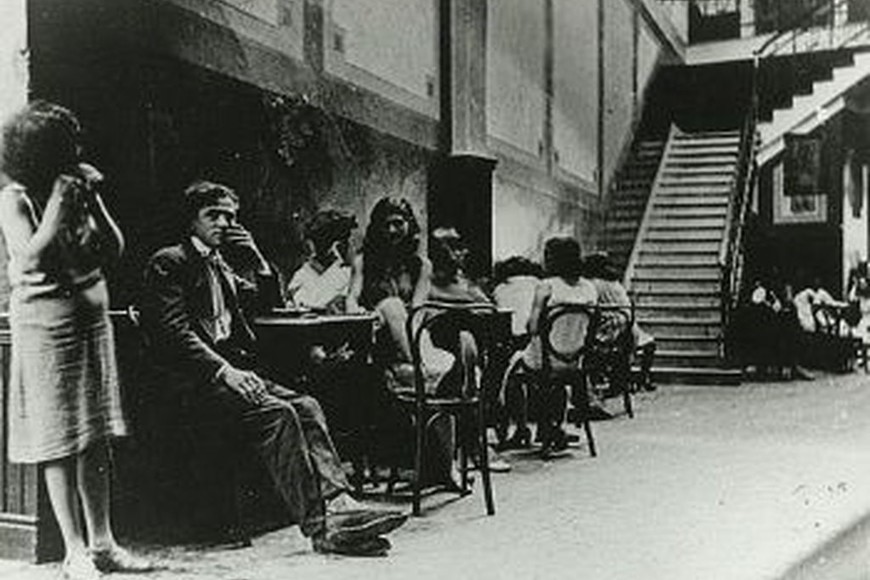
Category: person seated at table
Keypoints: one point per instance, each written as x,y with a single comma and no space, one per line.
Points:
562,284
192,310
323,281
450,282
816,308
515,280
818,315
389,277
859,296
613,335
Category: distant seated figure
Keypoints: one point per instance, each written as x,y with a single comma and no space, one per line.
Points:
815,306
323,281
613,330
450,282
516,279
767,331
859,298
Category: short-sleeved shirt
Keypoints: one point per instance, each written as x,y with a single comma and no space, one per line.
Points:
310,288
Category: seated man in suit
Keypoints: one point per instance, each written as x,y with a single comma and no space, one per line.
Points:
193,312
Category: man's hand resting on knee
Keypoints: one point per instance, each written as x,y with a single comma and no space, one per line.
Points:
245,384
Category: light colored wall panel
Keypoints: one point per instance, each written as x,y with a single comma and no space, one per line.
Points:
387,46
618,66
648,54
575,85
515,99
277,24
525,215
13,63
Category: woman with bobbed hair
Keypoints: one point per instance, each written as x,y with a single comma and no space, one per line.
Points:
562,284
64,398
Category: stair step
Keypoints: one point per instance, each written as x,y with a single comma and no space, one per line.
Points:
683,236
681,312
706,344
684,148
676,299
684,359
683,259
702,156
685,211
686,171
680,329
670,221
669,286
694,183
680,247
673,201
696,376
711,163
709,137
666,272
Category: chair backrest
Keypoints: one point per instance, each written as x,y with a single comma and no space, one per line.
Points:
566,331
613,329
459,336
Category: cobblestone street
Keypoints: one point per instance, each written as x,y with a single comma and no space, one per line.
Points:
705,482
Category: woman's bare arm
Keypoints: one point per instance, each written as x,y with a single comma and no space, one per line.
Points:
424,283
542,294
26,240
356,286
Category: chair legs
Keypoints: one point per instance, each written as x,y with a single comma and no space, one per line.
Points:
465,445
483,461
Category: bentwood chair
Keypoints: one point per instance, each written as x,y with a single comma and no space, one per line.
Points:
610,351
465,331
567,335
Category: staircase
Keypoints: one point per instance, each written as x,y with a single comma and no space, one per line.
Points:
629,199
674,270
808,111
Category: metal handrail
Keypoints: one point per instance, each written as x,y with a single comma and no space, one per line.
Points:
803,24
730,258
650,201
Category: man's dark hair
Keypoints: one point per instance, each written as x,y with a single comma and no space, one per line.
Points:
562,257
200,194
40,142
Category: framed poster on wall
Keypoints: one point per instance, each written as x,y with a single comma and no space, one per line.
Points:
796,209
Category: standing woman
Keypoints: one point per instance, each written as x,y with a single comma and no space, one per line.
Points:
64,399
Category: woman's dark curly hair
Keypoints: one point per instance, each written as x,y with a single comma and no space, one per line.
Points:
40,142
379,257
563,257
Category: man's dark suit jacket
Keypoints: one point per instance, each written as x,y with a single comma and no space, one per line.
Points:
176,307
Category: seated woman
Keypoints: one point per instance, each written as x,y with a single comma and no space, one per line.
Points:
563,284
323,281
516,280
389,277
613,327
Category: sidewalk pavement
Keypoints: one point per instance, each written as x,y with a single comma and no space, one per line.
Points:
705,483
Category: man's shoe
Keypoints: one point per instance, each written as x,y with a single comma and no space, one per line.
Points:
356,525
366,548
119,560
